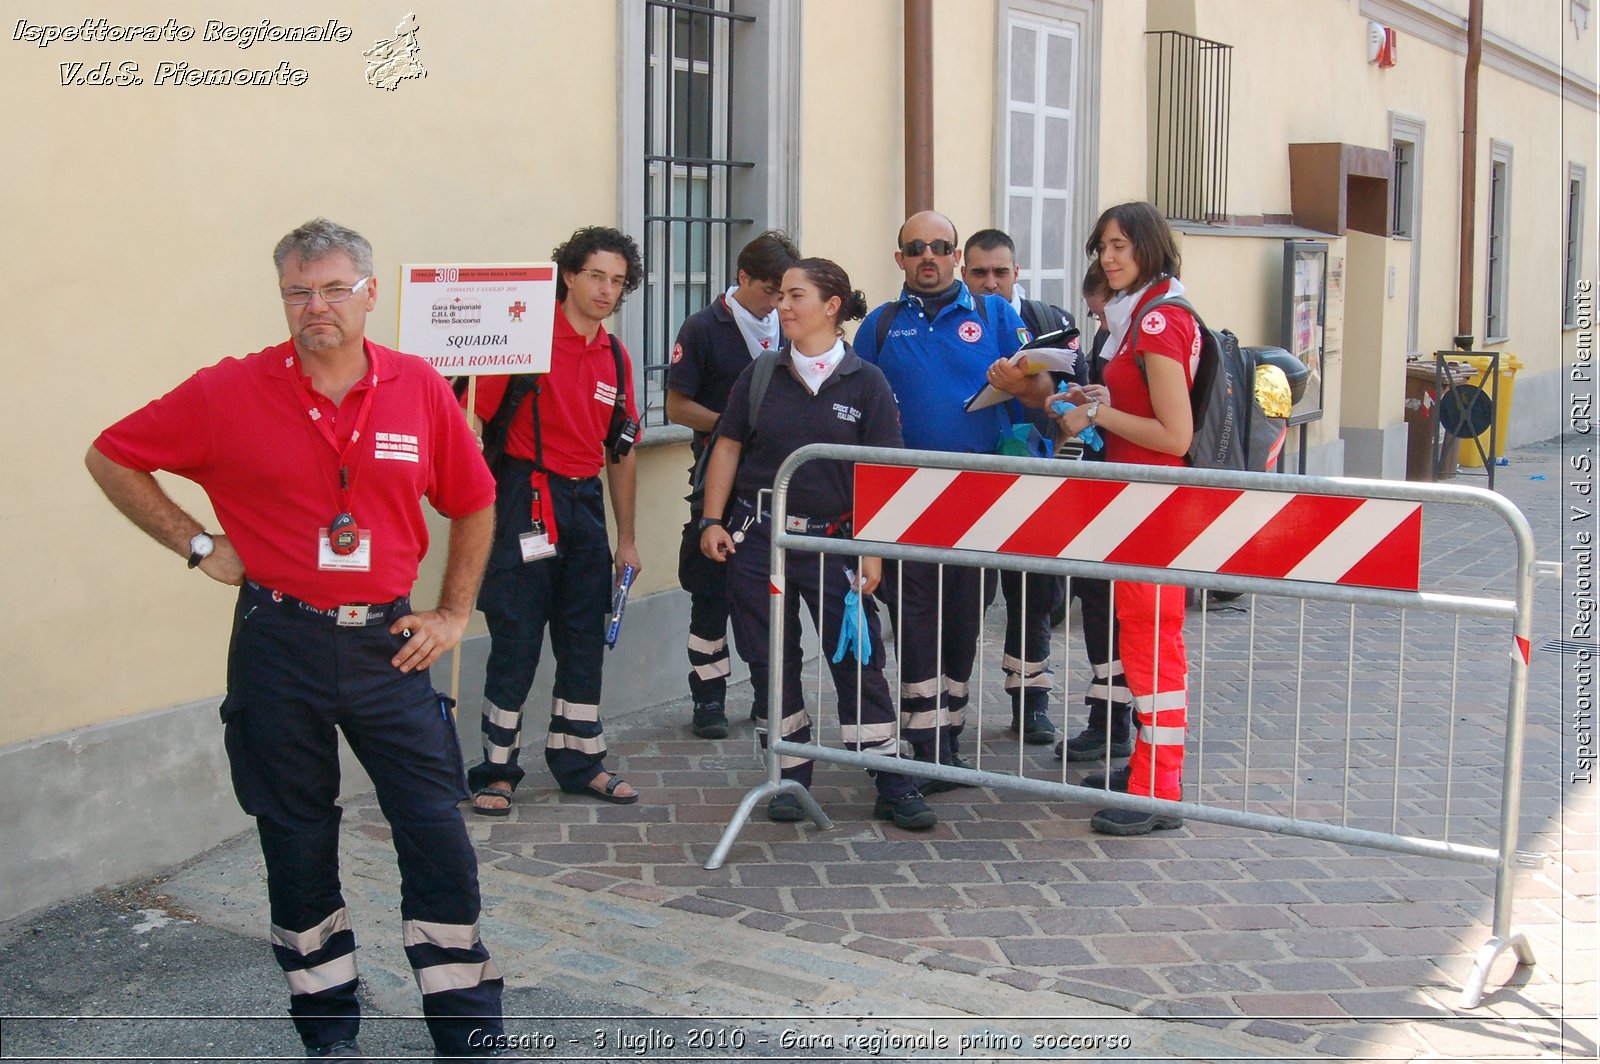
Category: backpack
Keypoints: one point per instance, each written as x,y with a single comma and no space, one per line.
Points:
1230,430
518,389
760,377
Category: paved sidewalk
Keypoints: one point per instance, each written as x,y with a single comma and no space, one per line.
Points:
1011,924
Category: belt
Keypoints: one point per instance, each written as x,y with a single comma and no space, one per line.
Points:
350,615
801,524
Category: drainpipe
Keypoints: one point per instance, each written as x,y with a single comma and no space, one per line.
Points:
919,105
1469,172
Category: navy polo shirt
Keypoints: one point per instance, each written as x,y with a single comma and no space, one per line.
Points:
854,406
708,357
935,367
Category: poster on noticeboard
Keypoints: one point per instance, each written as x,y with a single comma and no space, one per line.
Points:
1305,297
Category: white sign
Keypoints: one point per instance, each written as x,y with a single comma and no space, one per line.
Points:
483,318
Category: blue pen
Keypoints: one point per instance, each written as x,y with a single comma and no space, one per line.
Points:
618,604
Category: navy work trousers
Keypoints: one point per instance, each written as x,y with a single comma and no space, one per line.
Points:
866,709
293,677
938,614
571,594
706,582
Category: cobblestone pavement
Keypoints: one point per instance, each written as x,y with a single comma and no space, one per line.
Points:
1012,920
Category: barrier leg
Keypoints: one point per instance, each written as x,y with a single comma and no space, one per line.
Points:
1516,941
741,816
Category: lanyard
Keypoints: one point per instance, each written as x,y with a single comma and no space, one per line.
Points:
322,427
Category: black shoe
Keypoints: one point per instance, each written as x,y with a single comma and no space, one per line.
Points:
346,1049
1119,780
908,811
940,786
710,722
1129,822
785,808
1090,745
1036,727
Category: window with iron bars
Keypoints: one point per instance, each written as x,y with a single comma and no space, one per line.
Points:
689,154
1189,103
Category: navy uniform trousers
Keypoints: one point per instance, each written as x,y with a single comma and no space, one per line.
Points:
293,676
938,615
571,594
1026,662
866,709
706,582
1108,690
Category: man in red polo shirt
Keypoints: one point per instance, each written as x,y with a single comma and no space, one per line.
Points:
548,437
316,455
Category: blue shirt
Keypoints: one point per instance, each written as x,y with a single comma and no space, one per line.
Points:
935,367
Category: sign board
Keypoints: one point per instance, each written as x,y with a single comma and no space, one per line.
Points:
478,318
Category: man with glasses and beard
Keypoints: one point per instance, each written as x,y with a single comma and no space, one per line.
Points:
936,344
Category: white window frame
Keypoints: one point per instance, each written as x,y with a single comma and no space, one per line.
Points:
1081,19
1409,129
1497,246
1573,225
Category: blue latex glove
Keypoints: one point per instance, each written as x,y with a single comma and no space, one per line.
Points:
853,637
1090,435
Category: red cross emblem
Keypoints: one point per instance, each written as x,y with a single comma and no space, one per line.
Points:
516,310
351,613
766,345
970,331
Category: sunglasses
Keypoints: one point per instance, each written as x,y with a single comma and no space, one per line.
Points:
915,248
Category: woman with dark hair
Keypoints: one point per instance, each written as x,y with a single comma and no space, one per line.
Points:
817,391
1142,409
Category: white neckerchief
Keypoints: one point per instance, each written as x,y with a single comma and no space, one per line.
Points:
814,369
1119,312
760,334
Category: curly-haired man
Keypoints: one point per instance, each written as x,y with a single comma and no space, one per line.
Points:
548,437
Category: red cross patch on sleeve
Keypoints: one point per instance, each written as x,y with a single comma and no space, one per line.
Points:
677,353
1154,323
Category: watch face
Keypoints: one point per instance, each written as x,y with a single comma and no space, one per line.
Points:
201,545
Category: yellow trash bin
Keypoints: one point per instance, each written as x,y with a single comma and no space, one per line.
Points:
1509,364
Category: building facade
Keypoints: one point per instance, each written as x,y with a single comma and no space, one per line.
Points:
150,172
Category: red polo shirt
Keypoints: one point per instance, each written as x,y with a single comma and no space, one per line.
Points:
240,430
1168,332
575,402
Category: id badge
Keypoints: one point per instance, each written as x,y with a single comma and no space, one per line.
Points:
357,561
536,545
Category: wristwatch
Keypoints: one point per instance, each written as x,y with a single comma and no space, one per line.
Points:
1093,411
710,522
200,547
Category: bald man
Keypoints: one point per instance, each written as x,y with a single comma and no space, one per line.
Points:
937,343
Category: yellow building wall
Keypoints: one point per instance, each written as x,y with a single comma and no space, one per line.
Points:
140,226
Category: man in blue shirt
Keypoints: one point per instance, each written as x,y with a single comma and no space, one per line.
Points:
936,344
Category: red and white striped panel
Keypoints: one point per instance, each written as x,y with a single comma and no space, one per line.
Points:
1282,535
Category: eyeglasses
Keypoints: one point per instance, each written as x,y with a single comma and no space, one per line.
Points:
333,293
915,248
601,277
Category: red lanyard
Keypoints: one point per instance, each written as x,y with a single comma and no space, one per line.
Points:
321,425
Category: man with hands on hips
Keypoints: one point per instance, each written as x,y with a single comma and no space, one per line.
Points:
316,454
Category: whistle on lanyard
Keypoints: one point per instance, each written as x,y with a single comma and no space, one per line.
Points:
619,603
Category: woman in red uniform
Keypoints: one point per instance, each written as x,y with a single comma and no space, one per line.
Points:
1142,408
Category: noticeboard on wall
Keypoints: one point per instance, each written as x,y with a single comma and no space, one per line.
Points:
1305,296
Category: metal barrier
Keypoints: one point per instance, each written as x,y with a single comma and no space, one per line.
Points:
1309,540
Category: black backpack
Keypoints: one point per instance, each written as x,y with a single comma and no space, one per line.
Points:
518,389
760,378
1222,401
